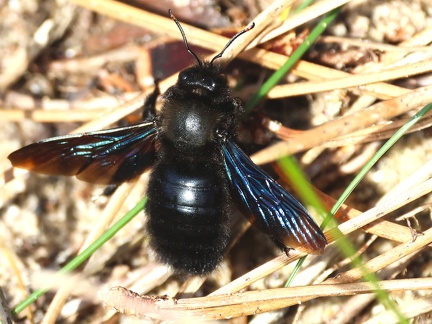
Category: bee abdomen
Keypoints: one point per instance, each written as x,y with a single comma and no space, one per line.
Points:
187,218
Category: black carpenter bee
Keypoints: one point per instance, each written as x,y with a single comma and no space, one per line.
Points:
198,171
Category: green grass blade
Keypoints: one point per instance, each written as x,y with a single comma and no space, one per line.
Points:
284,163
79,259
379,154
293,59
292,170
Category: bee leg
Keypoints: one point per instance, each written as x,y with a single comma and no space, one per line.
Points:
287,250
282,246
149,111
109,190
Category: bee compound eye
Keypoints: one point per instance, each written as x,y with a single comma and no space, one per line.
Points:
183,77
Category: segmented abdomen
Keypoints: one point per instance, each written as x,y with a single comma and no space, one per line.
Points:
187,217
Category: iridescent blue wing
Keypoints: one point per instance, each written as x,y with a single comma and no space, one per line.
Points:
268,205
109,156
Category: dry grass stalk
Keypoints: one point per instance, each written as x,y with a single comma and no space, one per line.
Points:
228,301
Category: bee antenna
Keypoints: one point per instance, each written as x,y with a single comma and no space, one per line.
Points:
252,25
184,37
